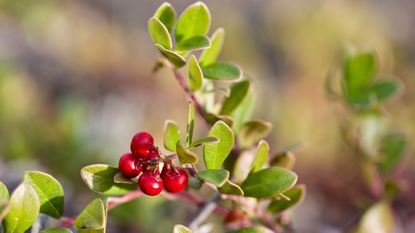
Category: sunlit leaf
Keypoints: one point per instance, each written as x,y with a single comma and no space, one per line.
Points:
213,118
186,156
171,135
238,93
244,111
167,15
4,192
93,217
49,191
181,229
268,182
261,156
4,200
295,196
215,154
210,55
217,177
195,74
194,21
173,57
190,124
100,178
359,71
222,71
193,43
159,33
23,211
253,131
379,218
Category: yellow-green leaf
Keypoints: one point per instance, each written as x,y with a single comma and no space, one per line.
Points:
230,188
295,196
194,21
261,156
253,131
159,33
167,15
186,156
218,177
171,135
171,56
181,229
238,93
193,43
222,71
93,217
210,55
195,74
215,154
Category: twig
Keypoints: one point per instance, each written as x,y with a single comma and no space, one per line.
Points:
204,212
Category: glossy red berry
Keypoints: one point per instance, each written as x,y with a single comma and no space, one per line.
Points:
141,145
174,180
153,153
150,183
128,166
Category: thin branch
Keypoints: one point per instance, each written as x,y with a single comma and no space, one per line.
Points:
204,212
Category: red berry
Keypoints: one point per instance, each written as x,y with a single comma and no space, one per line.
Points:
154,153
128,166
141,144
174,180
150,183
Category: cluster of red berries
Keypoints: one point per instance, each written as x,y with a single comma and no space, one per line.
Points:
144,161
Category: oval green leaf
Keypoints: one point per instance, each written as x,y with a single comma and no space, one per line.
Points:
268,182
295,196
190,124
222,71
194,21
230,188
359,71
4,197
383,89
49,191
186,156
57,230
23,211
171,135
244,111
253,131
392,147
171,56
181,229
195,74
167,15
93,217
215,154
238,93
159,33
210,55
261,156
193,43
4,192
218,177
100,178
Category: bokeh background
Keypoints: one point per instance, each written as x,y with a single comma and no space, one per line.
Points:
76,83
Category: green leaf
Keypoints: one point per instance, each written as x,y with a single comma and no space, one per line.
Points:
4,197
383,89
57,230
230,188
218,177
173,57
190,124
253,131
285,159
93,217
194,183
194,21
261,156
205,140
268,182
215,154
181,229
257,229
49,191
210,55
296,196
4,192
359,71
171,135
244,111
100,178
120,179
379,218
167,15
24,209
391,149
186,156
197,42
159,33
238,93
195,74
222,71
